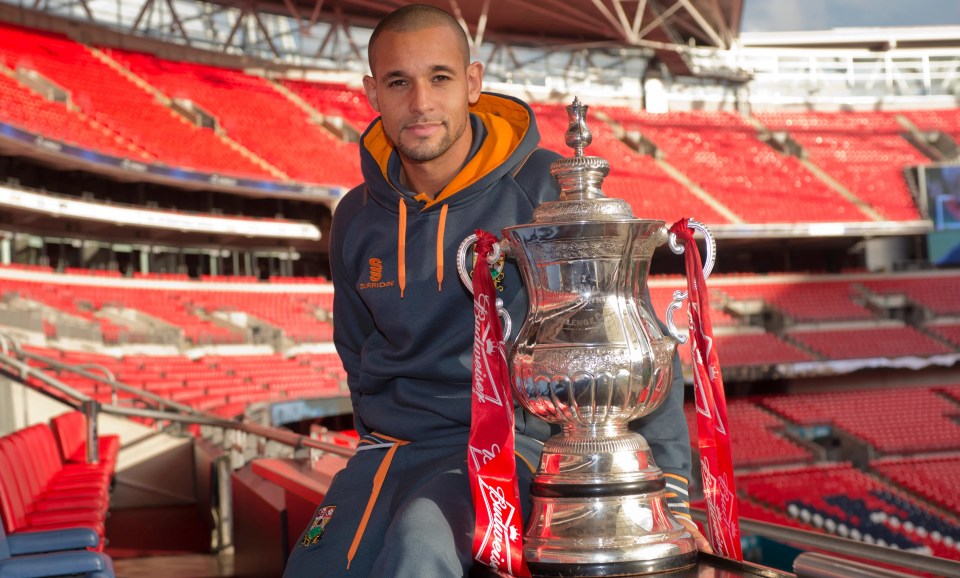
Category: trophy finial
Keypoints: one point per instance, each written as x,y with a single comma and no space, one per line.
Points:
580,176
578,135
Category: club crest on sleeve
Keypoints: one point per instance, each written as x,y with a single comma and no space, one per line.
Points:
496,270
318,527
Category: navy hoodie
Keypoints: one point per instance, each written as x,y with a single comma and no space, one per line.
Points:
403,321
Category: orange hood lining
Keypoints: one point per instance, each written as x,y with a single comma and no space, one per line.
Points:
506,122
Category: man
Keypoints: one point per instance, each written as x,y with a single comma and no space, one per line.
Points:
443,160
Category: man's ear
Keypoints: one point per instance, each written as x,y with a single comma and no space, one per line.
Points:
474,81
370,88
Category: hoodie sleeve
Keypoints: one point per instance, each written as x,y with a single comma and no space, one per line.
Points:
352,320
666,431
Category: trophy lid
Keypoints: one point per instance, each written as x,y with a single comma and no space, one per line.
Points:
580,178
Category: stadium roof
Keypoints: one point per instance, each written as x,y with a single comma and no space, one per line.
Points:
598,38
620,22
668,27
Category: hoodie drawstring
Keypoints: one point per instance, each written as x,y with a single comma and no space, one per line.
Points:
402,247
441,228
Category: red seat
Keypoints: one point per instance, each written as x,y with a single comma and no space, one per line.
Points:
70,429
64,499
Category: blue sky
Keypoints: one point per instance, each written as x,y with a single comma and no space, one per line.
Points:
784,15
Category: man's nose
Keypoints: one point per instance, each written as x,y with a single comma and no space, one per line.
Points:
421,99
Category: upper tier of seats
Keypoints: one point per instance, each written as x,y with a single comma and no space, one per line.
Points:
713,165
133,121
636,178
863,150
721,153
336,100
255,114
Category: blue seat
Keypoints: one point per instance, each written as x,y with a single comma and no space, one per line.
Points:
51,541
53,553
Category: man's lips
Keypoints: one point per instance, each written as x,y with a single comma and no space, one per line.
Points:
423,129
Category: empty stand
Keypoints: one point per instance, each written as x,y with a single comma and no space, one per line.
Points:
939,293
41,492
304,317
934,477
852,504
254,114
756,438
720,152
947,331
223,385
944,120
337,100
70,430
894,421
149,130
634,177
804,300
862,150
28,110
746,349
868,343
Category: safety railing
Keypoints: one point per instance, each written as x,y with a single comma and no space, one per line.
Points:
14,364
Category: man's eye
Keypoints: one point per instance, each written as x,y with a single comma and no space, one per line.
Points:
440,78
397,83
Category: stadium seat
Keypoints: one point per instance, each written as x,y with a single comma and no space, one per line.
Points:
49,554
70,429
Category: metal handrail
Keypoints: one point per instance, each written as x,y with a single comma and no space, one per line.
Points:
189,415
845,546
816,565
107,379
111,378
282,436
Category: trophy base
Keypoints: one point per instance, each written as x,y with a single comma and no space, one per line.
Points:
602,513
632,568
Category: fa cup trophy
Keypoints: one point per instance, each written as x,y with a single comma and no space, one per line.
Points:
591,357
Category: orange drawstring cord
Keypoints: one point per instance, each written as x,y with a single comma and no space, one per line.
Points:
402,248
441,227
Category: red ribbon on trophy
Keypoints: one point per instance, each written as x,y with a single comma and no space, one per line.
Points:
712,426
498,536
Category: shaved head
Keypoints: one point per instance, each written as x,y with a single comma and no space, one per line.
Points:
413,18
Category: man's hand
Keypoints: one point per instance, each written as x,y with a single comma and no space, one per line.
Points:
699,539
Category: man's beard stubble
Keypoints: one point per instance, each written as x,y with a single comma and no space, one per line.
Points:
423,152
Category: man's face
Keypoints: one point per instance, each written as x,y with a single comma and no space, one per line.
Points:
422,91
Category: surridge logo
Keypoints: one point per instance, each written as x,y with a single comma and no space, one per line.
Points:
376,275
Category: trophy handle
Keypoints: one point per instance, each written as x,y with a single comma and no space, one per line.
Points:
680,296
465,278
